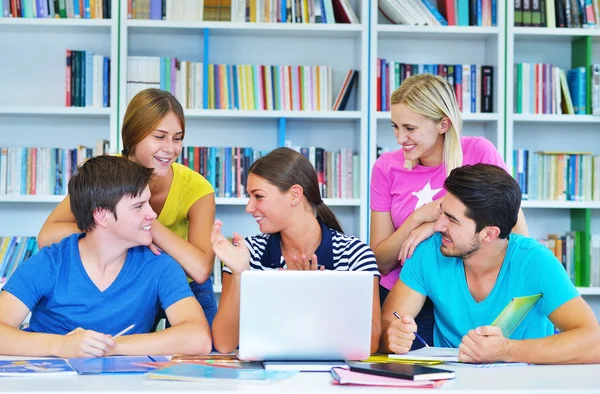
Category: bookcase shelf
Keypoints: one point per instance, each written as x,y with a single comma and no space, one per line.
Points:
589,290
560,204
461,32
223,201
241,114
552,33
285,30
478,117
543,118
56,22
55,111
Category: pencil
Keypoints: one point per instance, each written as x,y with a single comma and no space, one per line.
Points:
416,335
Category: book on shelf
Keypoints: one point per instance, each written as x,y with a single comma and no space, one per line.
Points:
473,83
547,89
13,251
440,13
42,171
557,13
87,80
557,176
236,86
226,168
582,266
63,9
240,11
341,100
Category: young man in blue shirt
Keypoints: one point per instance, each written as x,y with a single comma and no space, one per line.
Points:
473,267
92,285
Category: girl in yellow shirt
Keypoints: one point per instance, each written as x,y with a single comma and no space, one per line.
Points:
153,131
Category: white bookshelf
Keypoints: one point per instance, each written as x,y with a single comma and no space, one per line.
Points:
33,111
55,23
246,114
50,111
444,45
341,46
574,133
283,30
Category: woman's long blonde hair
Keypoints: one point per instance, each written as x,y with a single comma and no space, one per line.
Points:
144,112
432,96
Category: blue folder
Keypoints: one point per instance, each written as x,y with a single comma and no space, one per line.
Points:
114,365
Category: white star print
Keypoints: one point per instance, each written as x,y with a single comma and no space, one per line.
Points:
425,195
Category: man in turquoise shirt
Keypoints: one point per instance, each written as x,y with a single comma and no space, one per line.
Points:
471,269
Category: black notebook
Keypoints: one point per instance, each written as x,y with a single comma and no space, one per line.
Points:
402,371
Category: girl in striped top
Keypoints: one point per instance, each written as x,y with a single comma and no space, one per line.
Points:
299,232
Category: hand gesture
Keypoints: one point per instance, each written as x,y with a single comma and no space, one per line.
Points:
484,345
429,212
416,236
302,263
81,343
401,335
155,249
235,256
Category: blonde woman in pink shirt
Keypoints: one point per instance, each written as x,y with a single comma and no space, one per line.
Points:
407,184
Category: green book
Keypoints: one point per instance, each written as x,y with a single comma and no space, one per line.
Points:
514,313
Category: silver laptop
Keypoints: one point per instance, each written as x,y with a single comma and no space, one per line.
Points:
305,315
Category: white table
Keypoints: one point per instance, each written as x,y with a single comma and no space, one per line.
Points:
469,380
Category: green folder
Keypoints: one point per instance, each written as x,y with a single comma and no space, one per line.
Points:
514,313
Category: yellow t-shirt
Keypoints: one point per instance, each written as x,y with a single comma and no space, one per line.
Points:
187,187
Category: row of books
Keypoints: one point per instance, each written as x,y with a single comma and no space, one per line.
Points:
42,171
86,9
547,89
447,12
261,11
559,176
473,83
13,251
584,271
243,86
87,79
226,168
557,13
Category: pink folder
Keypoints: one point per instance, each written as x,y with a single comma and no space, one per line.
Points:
344,376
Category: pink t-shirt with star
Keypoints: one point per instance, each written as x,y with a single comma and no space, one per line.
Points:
400,191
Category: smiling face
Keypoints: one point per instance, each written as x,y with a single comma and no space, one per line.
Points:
268,205
134,220
421,138
159,149
459,238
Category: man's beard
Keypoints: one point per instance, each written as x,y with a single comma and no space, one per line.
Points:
461,252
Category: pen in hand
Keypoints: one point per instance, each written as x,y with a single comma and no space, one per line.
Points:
124,331
416,335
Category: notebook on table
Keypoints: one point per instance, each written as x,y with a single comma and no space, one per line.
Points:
305,315
402,371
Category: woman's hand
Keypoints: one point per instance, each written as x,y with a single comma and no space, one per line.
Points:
303,263
235,256
416,236
429,212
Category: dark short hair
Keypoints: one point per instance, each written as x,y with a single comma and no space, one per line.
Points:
101,182
284,168
491,195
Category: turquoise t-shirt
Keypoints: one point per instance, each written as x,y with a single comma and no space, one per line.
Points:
528,268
